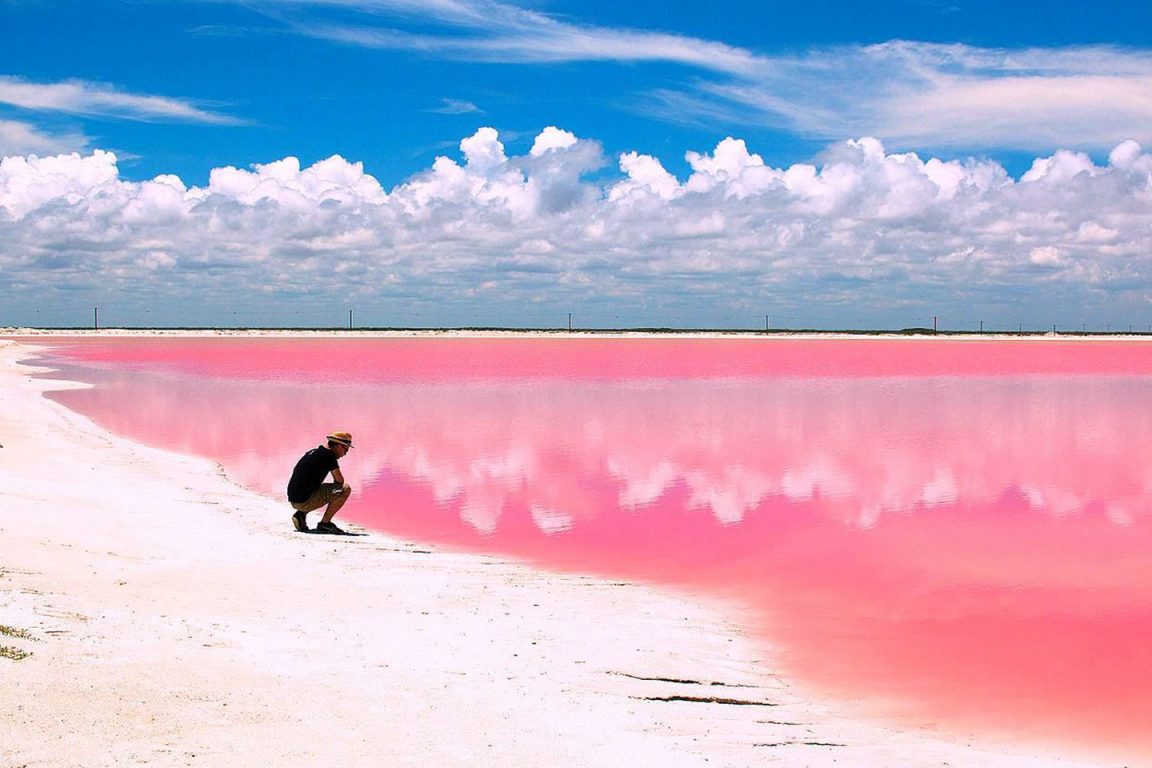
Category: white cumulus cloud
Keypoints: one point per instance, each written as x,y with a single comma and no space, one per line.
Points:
860,232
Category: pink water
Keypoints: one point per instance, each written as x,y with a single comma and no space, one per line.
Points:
938,531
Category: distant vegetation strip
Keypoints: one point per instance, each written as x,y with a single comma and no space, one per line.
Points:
603,331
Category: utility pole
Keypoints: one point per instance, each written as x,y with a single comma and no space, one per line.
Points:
349,319
95,318
934,319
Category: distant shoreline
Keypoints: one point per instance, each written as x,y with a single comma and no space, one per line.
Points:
497,332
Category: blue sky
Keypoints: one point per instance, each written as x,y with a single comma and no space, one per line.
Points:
633,163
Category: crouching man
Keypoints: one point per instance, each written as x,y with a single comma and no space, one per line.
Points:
307,490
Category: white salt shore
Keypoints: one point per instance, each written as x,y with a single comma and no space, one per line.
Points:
174,618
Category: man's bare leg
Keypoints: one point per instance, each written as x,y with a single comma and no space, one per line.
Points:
334,505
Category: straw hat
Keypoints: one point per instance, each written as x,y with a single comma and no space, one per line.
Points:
343,438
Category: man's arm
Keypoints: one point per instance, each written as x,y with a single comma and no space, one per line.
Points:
338,476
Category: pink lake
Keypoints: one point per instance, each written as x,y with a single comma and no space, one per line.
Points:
945,532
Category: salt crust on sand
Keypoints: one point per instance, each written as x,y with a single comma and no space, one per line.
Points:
176,619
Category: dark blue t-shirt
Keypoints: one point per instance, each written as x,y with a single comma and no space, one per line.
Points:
310,472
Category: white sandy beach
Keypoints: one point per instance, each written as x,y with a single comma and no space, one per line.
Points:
174,618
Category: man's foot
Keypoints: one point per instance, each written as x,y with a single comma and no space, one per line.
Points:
328,527
300,522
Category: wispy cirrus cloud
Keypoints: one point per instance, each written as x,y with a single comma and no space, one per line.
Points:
456,107
932,95
20,138
79,97
909,93
481,30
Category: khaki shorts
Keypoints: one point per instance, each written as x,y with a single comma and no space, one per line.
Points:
320,497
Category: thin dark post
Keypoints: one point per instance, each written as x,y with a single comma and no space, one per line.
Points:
981,326
95,318
569,322
934,319
349,319
767,325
